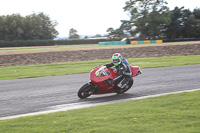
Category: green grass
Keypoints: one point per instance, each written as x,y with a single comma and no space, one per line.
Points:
175,113
58,47
47,47
42,70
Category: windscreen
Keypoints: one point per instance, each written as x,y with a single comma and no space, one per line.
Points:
104,72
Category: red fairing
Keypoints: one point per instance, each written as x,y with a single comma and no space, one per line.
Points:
135,70
99,80
109,73
96,79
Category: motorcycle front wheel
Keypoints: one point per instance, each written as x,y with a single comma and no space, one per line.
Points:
86,90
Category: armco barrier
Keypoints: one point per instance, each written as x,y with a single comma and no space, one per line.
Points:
123,42
146,41
140,42
112,43
153,41
159,41
131,42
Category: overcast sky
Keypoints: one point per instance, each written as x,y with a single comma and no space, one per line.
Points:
88,17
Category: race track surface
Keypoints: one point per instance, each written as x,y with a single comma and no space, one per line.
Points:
22,96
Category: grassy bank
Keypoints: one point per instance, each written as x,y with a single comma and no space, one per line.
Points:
41,70
176,113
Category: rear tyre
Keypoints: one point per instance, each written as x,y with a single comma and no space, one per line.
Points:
129,85
86,90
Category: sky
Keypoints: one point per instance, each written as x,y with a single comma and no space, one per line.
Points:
88,17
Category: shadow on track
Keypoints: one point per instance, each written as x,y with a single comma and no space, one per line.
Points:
108,98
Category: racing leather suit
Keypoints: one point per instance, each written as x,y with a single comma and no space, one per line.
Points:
124,74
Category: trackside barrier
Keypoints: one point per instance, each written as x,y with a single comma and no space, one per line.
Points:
131,42
146,41
153,41
140,42
159,41
112,43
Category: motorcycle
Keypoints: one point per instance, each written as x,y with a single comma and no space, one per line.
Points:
98,82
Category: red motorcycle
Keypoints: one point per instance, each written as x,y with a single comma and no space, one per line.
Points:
98,82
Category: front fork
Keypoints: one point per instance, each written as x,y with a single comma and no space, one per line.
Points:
93,87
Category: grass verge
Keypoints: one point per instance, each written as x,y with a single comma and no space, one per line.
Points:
48,47
175,113
42,70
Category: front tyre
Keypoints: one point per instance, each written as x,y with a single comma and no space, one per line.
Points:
86,90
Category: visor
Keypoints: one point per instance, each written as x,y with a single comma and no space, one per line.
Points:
116,60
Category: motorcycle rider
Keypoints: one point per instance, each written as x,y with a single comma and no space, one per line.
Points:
124,71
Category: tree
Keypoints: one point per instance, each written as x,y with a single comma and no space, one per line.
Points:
39,26
184,24
73,34
114,33
148,17
188,24
11,27
123,31
174,29
31,27
191,26
97,35
196,13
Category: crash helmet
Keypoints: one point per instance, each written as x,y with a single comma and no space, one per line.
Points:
117,59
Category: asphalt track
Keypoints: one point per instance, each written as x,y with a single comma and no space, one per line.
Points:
32,95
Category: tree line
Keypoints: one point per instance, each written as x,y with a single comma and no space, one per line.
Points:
149,19
153,19
31,27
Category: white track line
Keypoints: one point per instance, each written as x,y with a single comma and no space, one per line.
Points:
66,107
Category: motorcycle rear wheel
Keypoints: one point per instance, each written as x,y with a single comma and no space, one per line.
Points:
129,85
86,90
